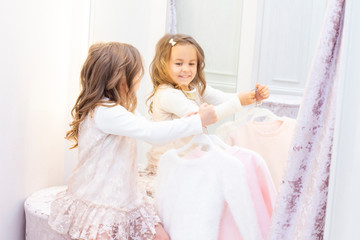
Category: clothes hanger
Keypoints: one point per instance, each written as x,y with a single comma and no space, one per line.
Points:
250,113
264,114
202,141
219,142
258,112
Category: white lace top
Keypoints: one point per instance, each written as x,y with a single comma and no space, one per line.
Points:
102,200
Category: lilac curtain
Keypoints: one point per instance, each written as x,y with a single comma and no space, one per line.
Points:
301,205
172,17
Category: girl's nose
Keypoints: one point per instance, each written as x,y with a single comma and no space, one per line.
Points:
185,68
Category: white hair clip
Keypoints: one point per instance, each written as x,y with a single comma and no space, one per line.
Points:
172,42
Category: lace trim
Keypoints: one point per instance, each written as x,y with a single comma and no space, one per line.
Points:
87,221
146,181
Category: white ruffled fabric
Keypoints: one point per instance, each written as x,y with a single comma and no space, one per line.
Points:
86,220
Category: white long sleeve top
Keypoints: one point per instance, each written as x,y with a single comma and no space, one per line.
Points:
118,121
106,172
170,103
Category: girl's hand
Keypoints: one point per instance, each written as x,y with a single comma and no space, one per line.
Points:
247,98
190,114
262,92
207,114
160,233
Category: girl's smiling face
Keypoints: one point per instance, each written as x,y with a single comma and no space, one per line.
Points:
183,65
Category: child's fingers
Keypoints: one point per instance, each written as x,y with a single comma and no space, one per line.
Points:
207,114
261,87
265,95
204,105
264,91
190,114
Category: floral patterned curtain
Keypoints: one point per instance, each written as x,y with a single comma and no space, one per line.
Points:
301,205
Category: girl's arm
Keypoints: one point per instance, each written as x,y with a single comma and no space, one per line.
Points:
216,97
225,103
118,121
174,101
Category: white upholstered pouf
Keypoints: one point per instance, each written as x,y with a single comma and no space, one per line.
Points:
37,210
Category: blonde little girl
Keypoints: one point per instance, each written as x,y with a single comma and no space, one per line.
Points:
179,88
102,200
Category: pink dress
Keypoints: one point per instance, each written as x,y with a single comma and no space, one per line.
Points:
270,139
228,229
262,191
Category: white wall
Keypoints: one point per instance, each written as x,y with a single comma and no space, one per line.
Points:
140,23
41,48
288,34
343,210
43,45
216,26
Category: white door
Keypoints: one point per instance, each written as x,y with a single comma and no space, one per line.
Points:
286,39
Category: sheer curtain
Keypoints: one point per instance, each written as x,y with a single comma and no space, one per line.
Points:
172,17
301,204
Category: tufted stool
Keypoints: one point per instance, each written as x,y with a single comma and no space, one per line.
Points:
37,210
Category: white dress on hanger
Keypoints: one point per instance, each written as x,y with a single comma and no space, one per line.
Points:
191,191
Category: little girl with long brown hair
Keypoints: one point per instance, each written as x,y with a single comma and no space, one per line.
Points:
102,200
184,178
179,87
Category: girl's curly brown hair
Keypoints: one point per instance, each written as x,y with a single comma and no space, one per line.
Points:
108,68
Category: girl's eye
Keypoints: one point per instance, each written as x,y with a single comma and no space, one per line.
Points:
179,64
192,64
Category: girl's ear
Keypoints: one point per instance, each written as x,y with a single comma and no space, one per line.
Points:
123,88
